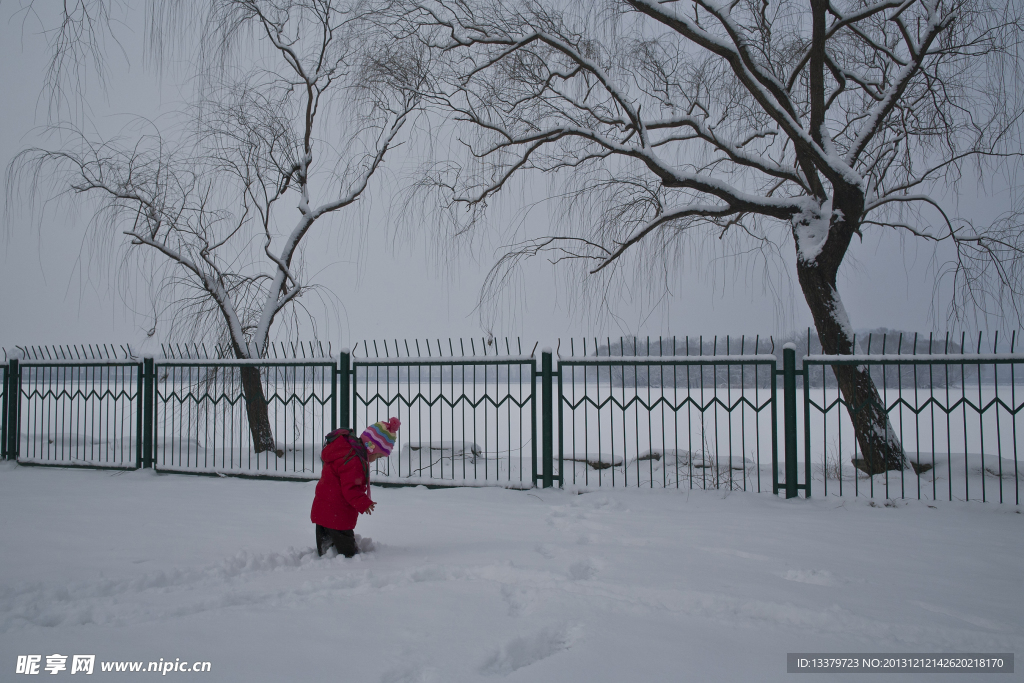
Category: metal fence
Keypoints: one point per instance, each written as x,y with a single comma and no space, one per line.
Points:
201,422
961,437
646,413
82,411
467,408
664,414
101,407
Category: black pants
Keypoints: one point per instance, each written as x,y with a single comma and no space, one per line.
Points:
343,540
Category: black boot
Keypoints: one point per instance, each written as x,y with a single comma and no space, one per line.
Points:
323,540
344,541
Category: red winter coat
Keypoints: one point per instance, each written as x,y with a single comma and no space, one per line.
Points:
343,492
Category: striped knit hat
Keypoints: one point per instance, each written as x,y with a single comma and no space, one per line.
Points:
382,435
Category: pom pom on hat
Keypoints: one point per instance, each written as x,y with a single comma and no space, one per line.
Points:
382,435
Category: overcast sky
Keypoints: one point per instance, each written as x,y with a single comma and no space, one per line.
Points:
52,291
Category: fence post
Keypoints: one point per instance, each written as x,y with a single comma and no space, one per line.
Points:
12,402
3,414
547,418
533,418
140,409
148,389
804,380
789,415
344,386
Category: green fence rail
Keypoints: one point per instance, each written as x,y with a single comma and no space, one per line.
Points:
654,413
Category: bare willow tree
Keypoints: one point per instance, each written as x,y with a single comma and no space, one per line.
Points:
759,120
297,105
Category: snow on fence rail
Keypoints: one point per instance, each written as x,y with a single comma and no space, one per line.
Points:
640,413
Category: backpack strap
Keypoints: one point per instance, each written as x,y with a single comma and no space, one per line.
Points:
358,451
331,436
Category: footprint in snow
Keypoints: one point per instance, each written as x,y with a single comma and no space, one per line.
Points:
410,674
816,577
523,651
544,550
519,599
583,570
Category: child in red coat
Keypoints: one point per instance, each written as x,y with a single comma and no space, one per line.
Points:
343,492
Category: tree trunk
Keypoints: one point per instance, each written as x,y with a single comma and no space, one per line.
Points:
879,445
256,406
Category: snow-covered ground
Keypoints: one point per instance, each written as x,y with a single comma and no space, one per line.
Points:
491,584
